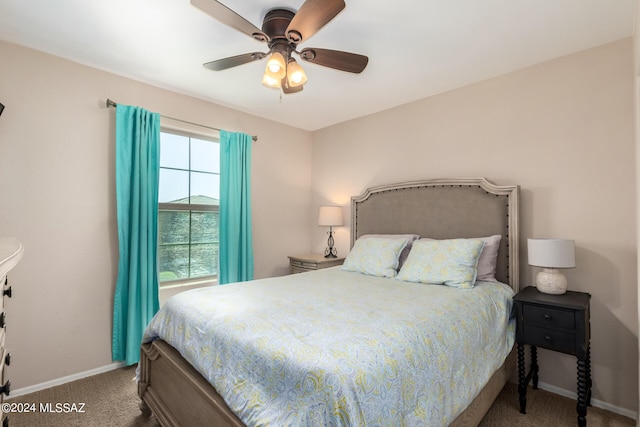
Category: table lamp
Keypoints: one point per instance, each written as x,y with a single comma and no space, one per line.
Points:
551,254
330,216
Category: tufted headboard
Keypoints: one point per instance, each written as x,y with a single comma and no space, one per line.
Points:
444,209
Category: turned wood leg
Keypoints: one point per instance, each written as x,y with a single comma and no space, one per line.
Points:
534,366
588,366
583,386
522,380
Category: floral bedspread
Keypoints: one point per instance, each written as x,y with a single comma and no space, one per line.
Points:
336,348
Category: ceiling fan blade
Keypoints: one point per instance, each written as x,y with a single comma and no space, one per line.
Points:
290,89
234,61
312,15
344,61
228,17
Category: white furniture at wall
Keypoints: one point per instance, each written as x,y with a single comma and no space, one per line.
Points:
10,254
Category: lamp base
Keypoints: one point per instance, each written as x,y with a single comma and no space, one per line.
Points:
331,251
551,281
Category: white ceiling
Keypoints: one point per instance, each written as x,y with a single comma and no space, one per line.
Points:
416,48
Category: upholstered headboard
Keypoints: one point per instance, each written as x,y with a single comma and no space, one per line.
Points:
444,209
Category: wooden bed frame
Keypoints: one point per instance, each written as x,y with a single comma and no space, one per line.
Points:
439,208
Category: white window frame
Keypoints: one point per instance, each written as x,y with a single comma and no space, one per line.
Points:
187,207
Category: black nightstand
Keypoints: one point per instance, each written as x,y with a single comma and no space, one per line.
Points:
559,323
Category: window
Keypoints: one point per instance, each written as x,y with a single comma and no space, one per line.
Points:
188,202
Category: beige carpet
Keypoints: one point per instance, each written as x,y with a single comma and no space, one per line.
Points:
110,399
545,409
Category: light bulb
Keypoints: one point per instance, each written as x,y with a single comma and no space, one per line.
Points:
296,77
271,82
295,74
276,66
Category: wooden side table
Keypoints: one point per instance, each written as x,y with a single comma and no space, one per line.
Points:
302,263
558,323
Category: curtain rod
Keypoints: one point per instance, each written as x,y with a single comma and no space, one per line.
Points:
110,103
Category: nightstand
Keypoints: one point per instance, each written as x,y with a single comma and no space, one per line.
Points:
300,264
558,323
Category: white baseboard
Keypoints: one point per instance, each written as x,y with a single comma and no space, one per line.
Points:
63,380
594,402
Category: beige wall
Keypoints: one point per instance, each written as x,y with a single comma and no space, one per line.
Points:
58,198
564,131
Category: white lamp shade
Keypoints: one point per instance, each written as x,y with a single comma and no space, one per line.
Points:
552,253
330,216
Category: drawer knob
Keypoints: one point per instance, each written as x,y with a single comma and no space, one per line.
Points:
547,317
7,359
6,388
7,292
547,338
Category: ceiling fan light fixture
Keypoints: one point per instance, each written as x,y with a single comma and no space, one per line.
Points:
276,66
282,31
295,74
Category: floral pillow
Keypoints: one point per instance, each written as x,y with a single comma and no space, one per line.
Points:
451,262
405,252
375,256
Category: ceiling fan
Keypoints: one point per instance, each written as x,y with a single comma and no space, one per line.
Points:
282,31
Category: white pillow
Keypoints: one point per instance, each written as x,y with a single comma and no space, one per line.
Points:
488,259
375,256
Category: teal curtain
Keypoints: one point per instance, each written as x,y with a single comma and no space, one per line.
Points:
236,244
137,171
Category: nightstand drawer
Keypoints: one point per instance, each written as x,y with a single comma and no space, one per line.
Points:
304,264
550,339
549,317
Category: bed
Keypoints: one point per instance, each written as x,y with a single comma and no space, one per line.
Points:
176,390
